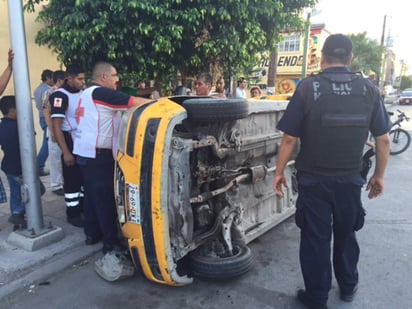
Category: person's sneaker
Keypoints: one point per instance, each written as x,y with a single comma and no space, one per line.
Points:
114,266
43,173
348,297
59,192
76,221
18,221
303,298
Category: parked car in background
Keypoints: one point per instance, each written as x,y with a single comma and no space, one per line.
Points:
405,97
194,185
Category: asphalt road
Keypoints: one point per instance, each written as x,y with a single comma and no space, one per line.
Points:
385,267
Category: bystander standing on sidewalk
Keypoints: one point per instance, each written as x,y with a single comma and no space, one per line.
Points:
11,163
56,176
46,84
4,80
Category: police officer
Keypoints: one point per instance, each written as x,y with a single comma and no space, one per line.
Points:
97,124
332,113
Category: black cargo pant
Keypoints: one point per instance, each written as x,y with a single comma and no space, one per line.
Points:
100,215
325,206
73,183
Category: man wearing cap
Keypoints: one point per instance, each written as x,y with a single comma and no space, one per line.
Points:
332,113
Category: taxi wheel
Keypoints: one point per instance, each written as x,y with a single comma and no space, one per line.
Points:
205,109
221,268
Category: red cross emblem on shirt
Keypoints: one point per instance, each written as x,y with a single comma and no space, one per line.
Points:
79,113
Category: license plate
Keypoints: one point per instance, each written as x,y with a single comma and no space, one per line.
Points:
134,203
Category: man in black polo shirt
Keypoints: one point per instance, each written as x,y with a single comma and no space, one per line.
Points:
63,104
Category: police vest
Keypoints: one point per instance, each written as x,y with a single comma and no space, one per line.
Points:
336,125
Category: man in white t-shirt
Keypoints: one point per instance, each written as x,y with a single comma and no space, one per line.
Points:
241,88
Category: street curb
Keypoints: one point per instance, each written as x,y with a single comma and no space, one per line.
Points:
49,268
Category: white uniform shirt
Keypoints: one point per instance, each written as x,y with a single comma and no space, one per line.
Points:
98,121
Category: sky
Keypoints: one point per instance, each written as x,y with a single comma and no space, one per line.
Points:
356,16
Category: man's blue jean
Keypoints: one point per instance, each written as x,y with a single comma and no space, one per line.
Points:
44,149
16,204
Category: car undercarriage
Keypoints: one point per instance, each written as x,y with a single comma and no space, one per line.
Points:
194,185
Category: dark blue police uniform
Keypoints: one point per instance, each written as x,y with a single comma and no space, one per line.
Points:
329,201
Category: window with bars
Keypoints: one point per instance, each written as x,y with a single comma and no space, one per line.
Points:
291,44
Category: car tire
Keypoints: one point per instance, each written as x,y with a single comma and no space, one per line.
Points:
216,109
221,268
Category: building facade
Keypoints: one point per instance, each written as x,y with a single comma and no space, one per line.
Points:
290,60
38,57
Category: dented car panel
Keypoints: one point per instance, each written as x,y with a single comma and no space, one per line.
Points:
185,185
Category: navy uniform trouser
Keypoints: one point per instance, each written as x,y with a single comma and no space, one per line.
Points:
100,215
328,206
73,183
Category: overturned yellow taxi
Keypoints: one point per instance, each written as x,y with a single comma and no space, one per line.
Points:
193,185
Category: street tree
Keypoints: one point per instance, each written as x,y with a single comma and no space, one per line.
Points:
158,38
406,82
367,54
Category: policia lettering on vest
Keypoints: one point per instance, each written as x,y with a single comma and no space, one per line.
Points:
337,126
331,114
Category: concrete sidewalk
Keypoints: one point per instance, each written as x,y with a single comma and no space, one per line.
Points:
20,268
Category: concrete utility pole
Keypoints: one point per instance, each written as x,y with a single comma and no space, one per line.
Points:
305,45
31,185
380,74
25,115
308,27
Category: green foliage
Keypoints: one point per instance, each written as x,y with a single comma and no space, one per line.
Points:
406,82
158,38
367,54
